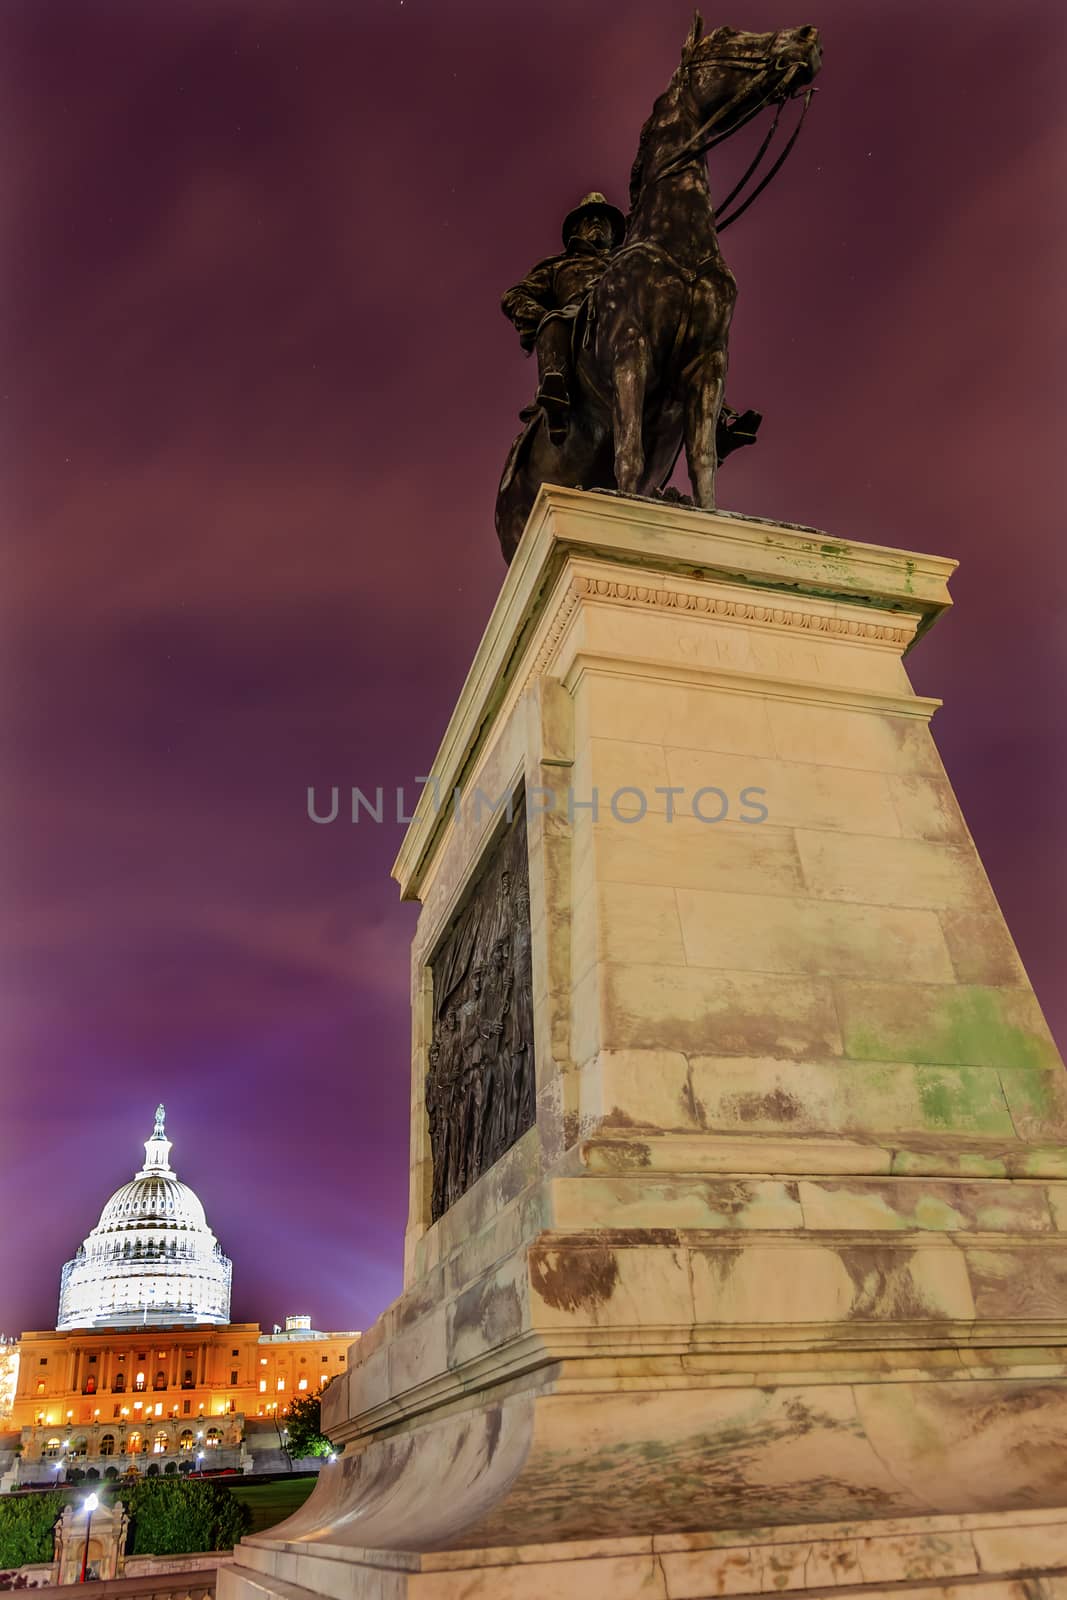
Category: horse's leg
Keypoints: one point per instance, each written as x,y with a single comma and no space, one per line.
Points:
706,384
630,374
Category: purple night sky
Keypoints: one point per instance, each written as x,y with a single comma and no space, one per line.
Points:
257,393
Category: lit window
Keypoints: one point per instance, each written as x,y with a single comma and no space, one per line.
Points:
263,1361
137,1405
302,1384
159,1408
281,1385
262,1385
40,1387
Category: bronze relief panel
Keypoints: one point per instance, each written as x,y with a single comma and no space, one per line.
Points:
480,1084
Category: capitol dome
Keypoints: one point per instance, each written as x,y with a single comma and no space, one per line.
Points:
151,1260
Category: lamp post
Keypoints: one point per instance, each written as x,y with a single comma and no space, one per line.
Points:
91,1502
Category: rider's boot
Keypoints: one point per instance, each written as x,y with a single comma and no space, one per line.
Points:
552,398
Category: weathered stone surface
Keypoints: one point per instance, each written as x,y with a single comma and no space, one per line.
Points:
772,934
692,1009
782,1256
944,1025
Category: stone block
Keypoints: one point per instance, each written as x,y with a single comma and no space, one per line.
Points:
698,1011
928,809
675,1202
637,1089
771,934
658,711
588,1281
982,950
1016,1284
488,1313
894,872
838,736
944,1025
890,1100
1037,1100
777,1284
639,923
686,853
909,1204
796,794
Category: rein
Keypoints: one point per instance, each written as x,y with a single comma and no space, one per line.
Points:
776,168
706,138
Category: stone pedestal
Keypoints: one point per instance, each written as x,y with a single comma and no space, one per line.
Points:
95,1540
773,1294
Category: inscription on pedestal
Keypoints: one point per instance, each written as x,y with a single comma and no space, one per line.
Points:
480,1082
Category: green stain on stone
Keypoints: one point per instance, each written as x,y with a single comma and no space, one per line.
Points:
964,1099
971,1030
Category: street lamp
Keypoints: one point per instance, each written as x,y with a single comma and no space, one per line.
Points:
90,1503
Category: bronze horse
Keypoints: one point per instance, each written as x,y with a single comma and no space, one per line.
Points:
651,349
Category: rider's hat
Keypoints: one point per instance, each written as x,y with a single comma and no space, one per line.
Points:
594,203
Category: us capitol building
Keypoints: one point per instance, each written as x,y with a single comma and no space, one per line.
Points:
145,1367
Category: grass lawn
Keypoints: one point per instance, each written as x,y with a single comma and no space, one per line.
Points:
272,1502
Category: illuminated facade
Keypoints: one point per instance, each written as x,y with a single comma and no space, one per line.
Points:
142,1371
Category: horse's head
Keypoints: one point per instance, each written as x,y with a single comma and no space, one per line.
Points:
733,73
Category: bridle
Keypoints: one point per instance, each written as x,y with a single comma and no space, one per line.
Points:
697,146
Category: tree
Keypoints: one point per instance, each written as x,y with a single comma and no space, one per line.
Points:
173,1516
303,1421
26,1524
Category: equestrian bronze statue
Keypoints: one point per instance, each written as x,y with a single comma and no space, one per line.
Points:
630,323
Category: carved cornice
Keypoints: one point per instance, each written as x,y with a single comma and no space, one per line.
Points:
582,586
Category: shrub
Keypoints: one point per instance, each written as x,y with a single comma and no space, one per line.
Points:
152,1470
171,1466
26,1523
111,1473
173,1516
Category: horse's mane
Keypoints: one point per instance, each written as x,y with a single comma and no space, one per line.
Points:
637,171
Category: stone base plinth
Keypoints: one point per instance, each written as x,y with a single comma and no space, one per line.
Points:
1014,1556
783,1254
